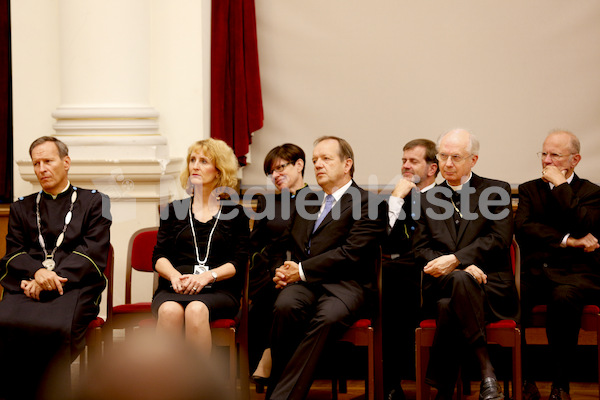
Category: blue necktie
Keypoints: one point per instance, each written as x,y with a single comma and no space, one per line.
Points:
328,204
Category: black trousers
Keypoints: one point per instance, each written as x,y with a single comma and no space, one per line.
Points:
260,319
459,303
401,315
563,321
305,319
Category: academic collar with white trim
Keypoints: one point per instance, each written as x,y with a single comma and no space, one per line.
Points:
459,187
61,192
569,180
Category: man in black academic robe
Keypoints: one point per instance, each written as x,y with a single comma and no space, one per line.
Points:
46,309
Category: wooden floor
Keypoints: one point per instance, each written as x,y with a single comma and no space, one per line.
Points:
321,390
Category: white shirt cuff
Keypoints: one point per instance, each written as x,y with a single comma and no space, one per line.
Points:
301,272
395,207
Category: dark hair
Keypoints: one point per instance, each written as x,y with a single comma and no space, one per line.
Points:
63,150
288,152
345,150
430,150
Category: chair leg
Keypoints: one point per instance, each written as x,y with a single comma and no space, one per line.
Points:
370,388
598,346
460,386
83,362
343,385
334,388
517,392
421,357
260,388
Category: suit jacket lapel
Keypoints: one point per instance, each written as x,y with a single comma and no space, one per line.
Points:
314,211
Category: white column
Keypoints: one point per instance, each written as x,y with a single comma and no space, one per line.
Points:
105,77
106,119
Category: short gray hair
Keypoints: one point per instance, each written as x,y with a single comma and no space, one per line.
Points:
472,148
63,150
575,145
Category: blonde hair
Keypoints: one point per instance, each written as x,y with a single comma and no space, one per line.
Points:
221,155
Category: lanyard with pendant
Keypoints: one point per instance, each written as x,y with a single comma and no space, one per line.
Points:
49,262
201,266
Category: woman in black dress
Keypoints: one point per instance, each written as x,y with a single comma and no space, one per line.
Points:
201,251
284,165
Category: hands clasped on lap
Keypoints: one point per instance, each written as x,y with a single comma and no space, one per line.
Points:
191,283
287,274
443,265
43,280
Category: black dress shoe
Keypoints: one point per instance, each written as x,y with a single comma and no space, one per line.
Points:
559,393
490,390
396,394
530,391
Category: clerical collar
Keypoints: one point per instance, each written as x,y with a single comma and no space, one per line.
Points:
61,192
458,187
569,180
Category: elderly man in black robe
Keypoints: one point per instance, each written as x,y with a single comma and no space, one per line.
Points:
52,274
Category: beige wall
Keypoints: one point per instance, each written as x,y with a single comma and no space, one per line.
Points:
179,86
380,73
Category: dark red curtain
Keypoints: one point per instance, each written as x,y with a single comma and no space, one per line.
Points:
236,100
6,144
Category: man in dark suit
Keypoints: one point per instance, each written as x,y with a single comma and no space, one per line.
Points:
462,240
557,227
326,285
401,274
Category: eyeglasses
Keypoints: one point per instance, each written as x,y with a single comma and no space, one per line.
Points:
553,156
280,168
456,158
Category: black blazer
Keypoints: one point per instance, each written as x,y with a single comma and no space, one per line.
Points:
543,219
482,241
399,238
340,254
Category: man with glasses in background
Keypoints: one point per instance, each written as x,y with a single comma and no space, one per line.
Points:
462,240
557,226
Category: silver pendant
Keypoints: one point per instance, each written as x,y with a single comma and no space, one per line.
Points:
49,264
199,269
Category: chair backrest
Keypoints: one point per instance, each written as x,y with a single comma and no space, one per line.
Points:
139,256
108,273
515,257
378,320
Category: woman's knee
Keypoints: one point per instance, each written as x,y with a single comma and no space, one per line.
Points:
170,312
197,312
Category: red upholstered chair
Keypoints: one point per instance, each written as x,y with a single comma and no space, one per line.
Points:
367,333
505,333
233,334
93,335
139,257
